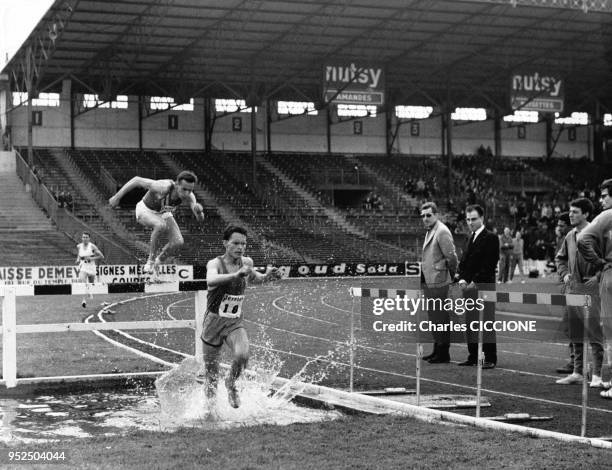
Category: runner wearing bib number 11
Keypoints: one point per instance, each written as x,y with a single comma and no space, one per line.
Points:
227,277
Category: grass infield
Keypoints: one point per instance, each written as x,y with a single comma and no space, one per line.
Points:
362,442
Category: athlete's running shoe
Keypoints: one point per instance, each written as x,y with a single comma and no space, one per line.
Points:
148,267
232,393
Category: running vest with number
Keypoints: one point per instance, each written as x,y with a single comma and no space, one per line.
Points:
226,299
165,204
85,252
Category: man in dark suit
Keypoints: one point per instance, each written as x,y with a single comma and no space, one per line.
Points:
437,270
477,273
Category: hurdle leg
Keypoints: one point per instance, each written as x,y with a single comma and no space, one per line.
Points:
352,349
419,357
480,362
9,338
201,298
585,365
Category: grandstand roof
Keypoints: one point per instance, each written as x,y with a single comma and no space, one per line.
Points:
432,51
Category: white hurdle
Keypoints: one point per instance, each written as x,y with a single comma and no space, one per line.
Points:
10,329
572,300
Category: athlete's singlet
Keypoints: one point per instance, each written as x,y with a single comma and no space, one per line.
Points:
226,299
86,265
167,204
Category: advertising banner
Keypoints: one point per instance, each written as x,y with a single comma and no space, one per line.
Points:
353,84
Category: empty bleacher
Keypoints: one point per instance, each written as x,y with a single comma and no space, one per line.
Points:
27,236
36,248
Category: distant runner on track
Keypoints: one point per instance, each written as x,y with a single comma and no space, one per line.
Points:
87,255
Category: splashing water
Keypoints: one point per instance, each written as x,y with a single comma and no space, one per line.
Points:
300,380
183,401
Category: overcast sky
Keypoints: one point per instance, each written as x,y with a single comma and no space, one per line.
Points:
17,19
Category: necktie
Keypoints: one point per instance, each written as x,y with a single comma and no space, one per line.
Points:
472,239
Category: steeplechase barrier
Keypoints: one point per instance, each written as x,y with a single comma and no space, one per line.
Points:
10,329
563,300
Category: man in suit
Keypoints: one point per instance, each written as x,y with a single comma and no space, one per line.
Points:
477,273
437,270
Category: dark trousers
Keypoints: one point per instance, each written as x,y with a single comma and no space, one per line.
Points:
437,315
489,346
504,265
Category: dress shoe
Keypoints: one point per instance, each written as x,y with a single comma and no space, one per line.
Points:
429,356
488,365
566,369
467,363
439,360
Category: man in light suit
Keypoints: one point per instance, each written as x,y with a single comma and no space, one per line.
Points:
477,273
437,271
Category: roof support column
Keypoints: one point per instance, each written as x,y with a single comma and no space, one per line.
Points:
253,143
497,120
208,125
268,127
447,141
328,126
140,117
550,145
73,103
30,89
449,144
598,140
389,139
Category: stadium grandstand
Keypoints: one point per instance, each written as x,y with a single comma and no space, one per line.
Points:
288,151
320,126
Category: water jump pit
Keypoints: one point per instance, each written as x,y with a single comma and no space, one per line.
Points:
52,412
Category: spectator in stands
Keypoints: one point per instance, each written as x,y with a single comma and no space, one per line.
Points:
513,209
505,252
580,277
6,141
377,203
69,202
367,203
156,211
61,199
420,186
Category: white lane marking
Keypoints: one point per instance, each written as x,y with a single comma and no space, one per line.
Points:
518,340
138,352
513,395
389,351
275,304
468,387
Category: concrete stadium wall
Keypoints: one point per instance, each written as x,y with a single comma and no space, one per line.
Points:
118,128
